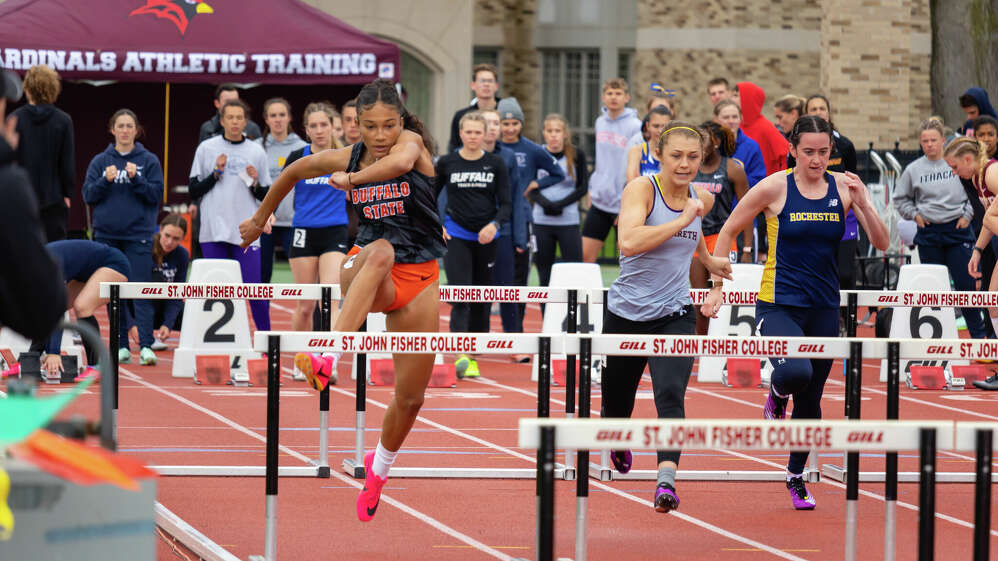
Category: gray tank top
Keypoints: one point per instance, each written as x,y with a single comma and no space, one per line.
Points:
656,283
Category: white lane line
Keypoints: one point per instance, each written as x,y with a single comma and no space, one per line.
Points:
870,494
707,525
923,402
690,519
427,519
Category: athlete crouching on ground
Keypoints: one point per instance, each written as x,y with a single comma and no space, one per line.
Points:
393,266
660,228
805,209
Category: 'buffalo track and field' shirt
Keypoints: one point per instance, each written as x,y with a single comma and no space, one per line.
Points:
478,191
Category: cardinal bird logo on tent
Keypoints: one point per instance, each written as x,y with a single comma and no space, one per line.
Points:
180,12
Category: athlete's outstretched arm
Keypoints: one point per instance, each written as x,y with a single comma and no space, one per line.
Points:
303,168
866,214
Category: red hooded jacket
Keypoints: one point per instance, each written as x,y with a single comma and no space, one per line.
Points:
773,145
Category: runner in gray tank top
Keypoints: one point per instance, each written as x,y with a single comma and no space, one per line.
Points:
659,229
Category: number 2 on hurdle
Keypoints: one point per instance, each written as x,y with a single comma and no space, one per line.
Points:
212,335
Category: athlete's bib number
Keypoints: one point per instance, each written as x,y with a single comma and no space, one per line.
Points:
299,240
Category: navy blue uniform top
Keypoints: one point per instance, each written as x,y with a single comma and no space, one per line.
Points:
803,265
80,259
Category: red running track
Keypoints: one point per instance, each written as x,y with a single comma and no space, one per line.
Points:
167,421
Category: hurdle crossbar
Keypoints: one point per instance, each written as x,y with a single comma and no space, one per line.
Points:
115,292
752,435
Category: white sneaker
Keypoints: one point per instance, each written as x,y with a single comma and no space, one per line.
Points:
159,345
297,375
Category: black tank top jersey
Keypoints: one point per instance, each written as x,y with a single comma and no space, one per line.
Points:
718,184
402,211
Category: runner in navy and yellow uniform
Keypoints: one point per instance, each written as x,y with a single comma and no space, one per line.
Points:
394,262
805,216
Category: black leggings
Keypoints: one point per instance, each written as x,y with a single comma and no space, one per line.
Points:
569,238
469,263
669,375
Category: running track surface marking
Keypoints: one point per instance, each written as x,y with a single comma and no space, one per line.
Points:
171,421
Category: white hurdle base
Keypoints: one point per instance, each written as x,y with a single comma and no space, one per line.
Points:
560,472
235,471
812,476
838,473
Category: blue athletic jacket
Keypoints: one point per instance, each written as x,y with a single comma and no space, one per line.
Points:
126,208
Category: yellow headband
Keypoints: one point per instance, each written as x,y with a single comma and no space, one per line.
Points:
687,128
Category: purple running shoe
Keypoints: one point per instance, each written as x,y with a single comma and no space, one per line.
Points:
776,406
665,498
622,460
798,493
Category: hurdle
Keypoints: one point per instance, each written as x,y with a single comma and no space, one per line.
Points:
115,292
758,435
477,294
429,343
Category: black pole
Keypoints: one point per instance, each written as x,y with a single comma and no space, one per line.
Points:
545,479
585,388
361,359
114,341
853,382
325,324
273,409
927,495
982,495
572,324
851,321
543,376
893,374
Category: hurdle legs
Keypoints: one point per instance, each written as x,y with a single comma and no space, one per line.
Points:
114,324
982,495
355,466
325,323
927,496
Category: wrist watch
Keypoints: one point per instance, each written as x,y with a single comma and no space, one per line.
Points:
714,284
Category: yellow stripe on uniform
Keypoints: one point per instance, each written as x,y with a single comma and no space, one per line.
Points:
767,290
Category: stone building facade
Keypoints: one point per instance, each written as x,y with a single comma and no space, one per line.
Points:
871,58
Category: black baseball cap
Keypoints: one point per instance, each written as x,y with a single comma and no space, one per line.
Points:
10,84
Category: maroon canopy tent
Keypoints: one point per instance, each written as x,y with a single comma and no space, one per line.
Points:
266,41
163,59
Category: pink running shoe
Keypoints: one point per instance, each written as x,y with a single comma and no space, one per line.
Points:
320,371
88,372
370,496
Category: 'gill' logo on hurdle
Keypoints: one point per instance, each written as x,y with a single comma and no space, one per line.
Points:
866,436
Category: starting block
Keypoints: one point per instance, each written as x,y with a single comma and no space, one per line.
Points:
212,370
7,359
927,378
382,373
257,371
559,368
968,374
742,373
